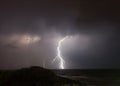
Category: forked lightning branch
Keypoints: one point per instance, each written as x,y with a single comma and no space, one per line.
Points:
59,54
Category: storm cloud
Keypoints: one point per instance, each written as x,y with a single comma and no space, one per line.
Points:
30,30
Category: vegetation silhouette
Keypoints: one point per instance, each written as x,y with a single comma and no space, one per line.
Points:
33,76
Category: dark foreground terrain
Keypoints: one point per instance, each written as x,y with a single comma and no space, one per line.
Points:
34,76
92,77
37,76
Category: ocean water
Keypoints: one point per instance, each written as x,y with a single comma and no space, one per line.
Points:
92,77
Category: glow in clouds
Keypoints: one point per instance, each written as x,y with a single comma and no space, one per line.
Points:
59,55
26,39
20,39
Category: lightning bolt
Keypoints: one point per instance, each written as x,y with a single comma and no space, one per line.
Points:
59,55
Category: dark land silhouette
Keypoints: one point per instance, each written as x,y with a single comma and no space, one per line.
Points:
34,76
37,76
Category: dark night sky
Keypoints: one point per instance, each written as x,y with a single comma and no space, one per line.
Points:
30,30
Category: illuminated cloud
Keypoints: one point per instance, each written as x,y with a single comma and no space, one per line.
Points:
20,40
